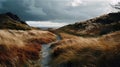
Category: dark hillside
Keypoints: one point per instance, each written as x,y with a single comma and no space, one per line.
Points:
11,21
94,27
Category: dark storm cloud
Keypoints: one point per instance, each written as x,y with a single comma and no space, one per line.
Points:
54,10
19,7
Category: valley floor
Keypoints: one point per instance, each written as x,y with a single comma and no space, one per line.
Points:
20,48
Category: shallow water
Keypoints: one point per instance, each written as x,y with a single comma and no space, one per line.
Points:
46,57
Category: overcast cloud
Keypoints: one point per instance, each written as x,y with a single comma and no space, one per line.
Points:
55,10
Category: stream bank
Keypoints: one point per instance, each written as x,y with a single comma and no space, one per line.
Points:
45,52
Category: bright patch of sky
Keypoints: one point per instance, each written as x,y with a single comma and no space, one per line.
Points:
48,24
114,1
75,3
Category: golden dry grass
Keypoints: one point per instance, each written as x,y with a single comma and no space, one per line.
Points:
67,36
87,52
20,48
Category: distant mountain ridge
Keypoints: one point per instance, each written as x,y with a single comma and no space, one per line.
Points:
94,27
12,21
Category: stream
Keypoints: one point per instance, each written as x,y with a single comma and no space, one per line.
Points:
46,57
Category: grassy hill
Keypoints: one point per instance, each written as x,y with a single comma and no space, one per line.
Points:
20,44
20,48
94,27
97,43
11,21
76,51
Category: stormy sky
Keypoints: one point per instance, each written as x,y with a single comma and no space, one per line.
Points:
58,11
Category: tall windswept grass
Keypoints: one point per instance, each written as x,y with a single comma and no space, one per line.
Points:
87,52
20,48
67,36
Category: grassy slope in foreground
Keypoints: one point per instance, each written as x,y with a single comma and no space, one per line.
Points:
94,27
20,48
75,51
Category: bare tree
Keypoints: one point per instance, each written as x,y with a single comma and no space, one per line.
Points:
116,6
